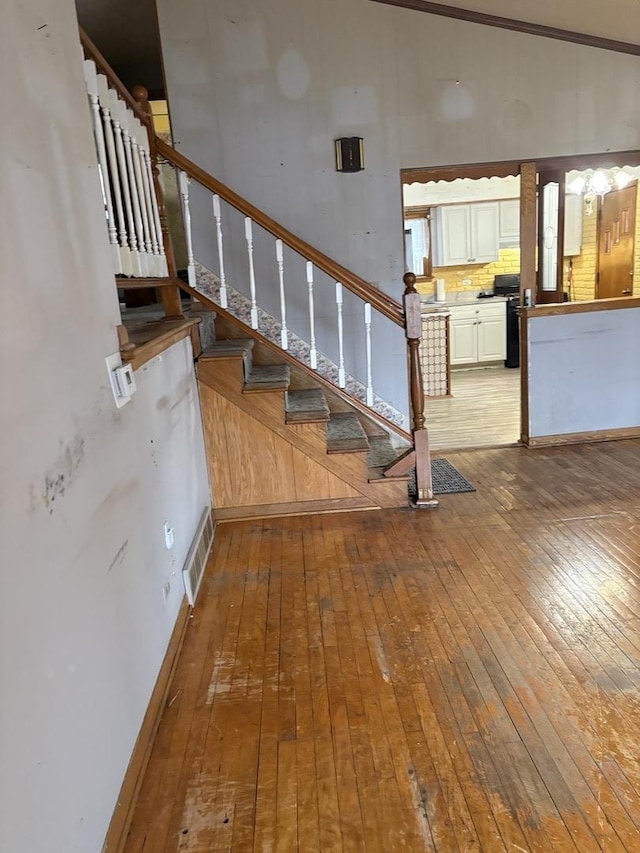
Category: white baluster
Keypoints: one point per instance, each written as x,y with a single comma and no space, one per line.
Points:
223,280
183,183
133,187
313,355
284,334
107,120
147,191
367,327
342,379
116,117
252,275
98,130
162,259
134,131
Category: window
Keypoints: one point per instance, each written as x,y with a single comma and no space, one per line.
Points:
417,241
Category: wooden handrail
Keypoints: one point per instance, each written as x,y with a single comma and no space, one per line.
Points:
92,52
380,301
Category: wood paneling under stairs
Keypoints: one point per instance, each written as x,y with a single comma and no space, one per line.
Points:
256,459
483,411
451,681
250,464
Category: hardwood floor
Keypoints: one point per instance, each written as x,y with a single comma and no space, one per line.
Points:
483,411
465,679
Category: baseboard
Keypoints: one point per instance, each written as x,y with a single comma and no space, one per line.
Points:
238,513
583,437
123,813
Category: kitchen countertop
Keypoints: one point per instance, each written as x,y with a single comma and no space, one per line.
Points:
430,306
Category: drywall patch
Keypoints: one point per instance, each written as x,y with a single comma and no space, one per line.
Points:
59,477
293,75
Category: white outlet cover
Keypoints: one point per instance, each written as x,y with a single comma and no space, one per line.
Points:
169,537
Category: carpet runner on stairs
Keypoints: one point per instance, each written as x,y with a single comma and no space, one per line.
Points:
347,432
272,377
306,406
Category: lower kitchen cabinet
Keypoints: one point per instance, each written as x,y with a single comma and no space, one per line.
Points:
478,333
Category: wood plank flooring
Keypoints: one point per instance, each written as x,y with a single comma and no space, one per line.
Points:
483,411
466,679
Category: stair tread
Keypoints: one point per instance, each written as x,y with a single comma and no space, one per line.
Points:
228,347
306,405
382,452
377,475
345,434
268,377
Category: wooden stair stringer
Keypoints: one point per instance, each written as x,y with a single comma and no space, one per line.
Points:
267,409
268,476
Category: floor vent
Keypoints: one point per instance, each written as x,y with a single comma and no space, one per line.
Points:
196,561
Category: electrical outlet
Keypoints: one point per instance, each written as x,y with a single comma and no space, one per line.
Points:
169,537
466,282
166,589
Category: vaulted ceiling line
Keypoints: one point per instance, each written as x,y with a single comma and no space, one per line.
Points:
527,27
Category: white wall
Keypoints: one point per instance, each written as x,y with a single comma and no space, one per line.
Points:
584,372
258,92
84,489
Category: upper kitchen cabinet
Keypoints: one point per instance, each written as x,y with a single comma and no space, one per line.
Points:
510,224
572,225
466,234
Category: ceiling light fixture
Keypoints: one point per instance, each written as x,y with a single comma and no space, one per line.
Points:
596,184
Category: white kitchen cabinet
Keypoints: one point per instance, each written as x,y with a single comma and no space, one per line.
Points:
466,234
573,225
510,223
478,333
492,337
464,341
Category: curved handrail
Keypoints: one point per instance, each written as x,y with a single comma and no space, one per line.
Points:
380,301
92,52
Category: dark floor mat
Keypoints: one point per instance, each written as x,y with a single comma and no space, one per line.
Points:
447,480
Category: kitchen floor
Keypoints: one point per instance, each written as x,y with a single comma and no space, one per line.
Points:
483,411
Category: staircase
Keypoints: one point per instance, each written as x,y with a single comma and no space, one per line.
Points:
277,444
289,428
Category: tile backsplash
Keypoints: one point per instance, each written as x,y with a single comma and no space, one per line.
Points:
478,276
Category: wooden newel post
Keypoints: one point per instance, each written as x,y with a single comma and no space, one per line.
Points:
413,330
170,295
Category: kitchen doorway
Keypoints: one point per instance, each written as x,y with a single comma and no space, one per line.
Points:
462,243
575,223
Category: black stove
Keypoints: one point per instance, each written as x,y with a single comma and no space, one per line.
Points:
509,286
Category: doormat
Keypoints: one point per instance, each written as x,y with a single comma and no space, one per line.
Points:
446,479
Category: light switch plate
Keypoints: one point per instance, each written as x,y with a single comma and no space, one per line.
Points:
114,362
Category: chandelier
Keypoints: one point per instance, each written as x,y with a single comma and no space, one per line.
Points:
594,184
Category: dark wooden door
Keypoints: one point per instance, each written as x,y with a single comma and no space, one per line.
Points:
616,243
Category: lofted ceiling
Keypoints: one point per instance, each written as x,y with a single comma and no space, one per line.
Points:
617,20
614,19
126,32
